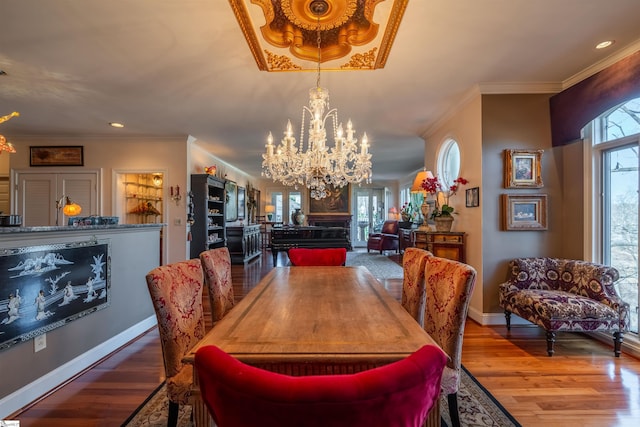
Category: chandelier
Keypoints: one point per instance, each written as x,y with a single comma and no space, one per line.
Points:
4,144
319,167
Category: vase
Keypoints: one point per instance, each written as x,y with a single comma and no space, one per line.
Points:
443,223
297,217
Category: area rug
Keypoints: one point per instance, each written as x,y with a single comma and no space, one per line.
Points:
379,265
477,407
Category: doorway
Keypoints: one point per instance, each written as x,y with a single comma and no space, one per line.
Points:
369,211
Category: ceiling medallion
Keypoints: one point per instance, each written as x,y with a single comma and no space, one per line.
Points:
348,32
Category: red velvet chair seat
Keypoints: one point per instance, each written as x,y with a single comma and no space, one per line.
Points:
397,394
317,256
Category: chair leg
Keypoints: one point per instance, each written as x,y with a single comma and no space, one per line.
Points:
617,343
507,315
452,399
172,419
551,338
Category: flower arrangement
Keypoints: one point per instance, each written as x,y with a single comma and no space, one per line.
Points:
406,212
434,187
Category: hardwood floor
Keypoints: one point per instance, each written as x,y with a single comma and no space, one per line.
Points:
582,384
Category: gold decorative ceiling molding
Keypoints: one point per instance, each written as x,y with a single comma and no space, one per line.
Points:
282,34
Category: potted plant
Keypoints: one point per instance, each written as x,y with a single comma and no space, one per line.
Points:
442,214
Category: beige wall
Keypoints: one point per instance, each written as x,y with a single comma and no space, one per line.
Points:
112,155
518,122
465,127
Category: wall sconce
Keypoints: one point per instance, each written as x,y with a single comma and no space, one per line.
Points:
269,210
68,207
175,194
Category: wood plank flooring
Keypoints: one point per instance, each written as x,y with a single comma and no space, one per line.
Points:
581,385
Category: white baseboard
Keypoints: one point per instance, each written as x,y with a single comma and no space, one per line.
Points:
33,391
491,319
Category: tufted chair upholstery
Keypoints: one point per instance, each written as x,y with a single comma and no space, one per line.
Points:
317,256
449,285
398,394
565,295
414,294
216,264
176,292
386,240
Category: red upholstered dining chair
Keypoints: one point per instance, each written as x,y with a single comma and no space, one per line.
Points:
176,292
449,285
317,256
398,394
216,264
386,240
414,294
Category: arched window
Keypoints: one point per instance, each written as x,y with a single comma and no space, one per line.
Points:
449,162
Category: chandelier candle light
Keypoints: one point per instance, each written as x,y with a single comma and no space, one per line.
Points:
4,144
318,167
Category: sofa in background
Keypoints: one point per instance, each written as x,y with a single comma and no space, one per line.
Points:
565,295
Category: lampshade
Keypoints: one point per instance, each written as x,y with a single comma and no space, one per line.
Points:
70,208
417,182
269,209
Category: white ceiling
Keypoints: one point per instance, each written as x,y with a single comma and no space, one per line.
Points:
183,67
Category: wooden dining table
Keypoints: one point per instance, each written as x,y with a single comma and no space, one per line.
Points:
315,321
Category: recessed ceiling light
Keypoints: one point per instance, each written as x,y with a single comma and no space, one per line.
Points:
604,44
3,73
116,125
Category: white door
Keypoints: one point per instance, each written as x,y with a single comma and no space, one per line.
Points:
37,193
369,214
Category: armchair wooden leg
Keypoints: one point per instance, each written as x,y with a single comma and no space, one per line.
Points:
617,343
551,338
172,419
452,399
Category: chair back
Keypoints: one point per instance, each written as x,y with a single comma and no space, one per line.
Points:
398,394
216,264
449,285
390,227
414,261
317,256
176,293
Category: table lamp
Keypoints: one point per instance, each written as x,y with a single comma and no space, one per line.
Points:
69,208
269,210
393,213
417,188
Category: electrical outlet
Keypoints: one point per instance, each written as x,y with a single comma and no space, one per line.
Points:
177,221
40,343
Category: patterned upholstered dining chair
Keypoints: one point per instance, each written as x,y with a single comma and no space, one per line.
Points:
449,285
176,292
216,264
414,261
399,394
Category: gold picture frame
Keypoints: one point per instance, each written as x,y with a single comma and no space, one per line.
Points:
523,168
524,212
70,155
337,202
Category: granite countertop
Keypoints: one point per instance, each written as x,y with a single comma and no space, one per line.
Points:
68,228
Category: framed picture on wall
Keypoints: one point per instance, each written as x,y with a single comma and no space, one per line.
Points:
523,168
337,201
241,203
231,205
72,155
472,197
524,212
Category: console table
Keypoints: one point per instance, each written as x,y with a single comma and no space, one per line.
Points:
244,243
285,238
442,244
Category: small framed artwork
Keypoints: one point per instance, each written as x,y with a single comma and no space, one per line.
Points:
473,197
522,168
72,155
241,202
524,212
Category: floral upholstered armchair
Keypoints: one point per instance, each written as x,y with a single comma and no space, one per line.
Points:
565,295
